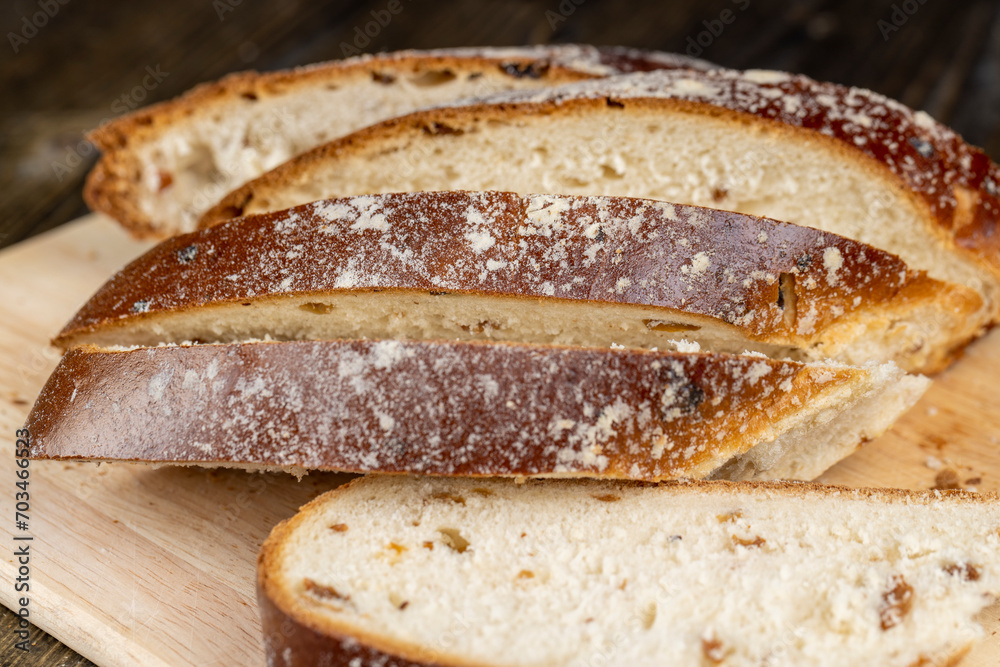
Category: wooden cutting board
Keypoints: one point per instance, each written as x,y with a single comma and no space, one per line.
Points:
131,565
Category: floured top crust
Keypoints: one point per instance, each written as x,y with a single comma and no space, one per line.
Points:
440,408
958,182
776,282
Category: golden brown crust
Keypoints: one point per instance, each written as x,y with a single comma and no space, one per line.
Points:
441,408
290,642
954,183
304,638
111,185
293,639
773,282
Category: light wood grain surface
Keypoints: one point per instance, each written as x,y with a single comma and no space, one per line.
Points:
132,565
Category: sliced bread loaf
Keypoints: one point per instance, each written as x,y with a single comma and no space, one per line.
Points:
164,165
540,269
450,408
418,571
842,159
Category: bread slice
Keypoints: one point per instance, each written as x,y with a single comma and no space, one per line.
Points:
453,408
539,269
164,165
845,160
419,571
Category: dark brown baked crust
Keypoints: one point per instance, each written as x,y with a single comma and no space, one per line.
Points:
770,280
296,638
442,408
110,185
955,183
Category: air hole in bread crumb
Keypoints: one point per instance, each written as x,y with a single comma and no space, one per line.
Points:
453,539
718,194
480,327
441,128
433,78
249,96
483,492
669,327
648,616
457,499
609,173
787,298
525,574
383,78
607,498
317,308
524,70
339,527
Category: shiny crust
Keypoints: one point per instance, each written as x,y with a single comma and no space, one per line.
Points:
598,250
956,184
441,408
301,638
109,188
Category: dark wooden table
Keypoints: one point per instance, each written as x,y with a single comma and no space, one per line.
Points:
85,62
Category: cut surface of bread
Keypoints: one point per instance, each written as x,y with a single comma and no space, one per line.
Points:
536,269
164,165
846,160
418,571
453,408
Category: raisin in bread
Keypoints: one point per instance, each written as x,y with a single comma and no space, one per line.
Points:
417,571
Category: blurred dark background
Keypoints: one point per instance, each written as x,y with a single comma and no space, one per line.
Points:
65,73
66,65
